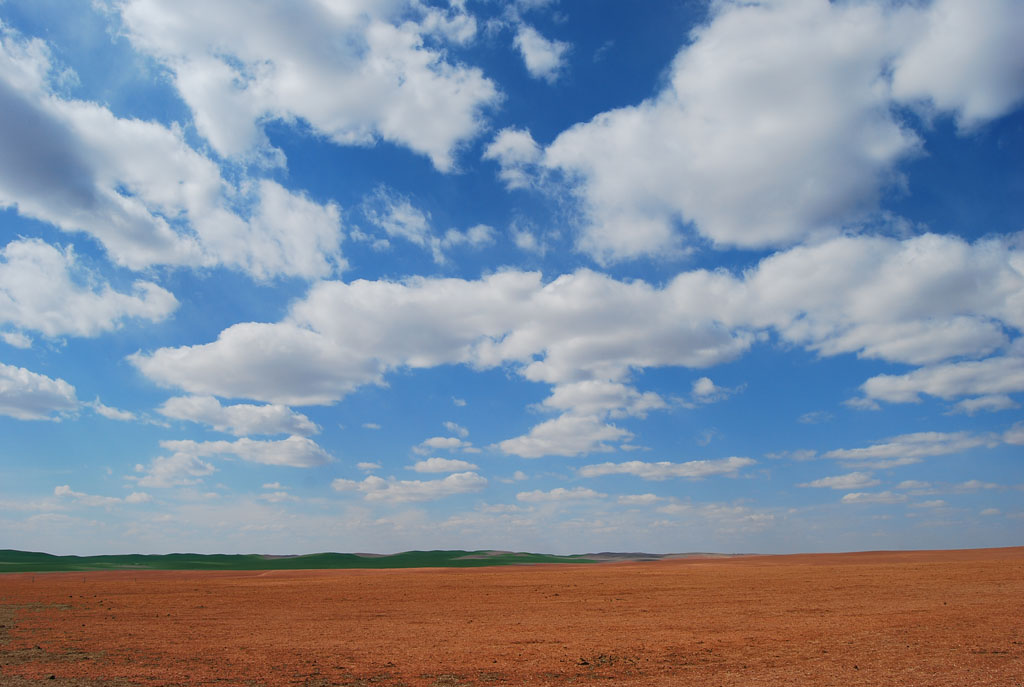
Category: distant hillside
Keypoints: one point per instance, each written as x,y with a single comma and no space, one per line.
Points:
27,561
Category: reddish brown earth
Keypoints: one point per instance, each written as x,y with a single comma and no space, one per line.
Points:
918,618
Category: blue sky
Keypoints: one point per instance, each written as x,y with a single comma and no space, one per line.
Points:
544,275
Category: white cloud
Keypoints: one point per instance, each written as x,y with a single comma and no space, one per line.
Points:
661,470
295,451
477,236
1015,435
277,497
559,494
974,485
964,57
993,403
401,491
990,511
913,484
442,465
185,466
639,499
907,449
777,122
989,377
880,497
544,58
368,467
355,72
445,444
178,469
65,491
456,428
920,301
370,425
517,155
46,289
706,391
566,435
815,417
935,503
599,398
140,190
27,395
851,480
764,97
239,419
112,413
397,216
16,339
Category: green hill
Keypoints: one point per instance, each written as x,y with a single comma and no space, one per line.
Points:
28,561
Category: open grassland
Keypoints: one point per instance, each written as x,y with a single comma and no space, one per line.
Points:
29,561
902,618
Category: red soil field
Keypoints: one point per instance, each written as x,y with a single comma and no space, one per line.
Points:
899,618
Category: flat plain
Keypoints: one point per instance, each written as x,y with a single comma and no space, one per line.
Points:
881,618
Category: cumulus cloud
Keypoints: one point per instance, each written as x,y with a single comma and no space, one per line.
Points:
929,300
993,376
559,494
445,444
598,398
777,122
140,190
27,395
964,57
16,339
178,469
661,470
879,497
65,491
851,480
907,449
112,413
706,391
1015,435
639,499
442,465
401,491
355,73
396,215
45,289
992,403
185,466
239,419
456,428
566,435
763,98
313,357
544,58
295,451
518,157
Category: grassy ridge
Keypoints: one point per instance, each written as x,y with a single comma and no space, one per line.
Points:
28,561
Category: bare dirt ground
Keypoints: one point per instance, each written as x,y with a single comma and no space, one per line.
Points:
917,618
